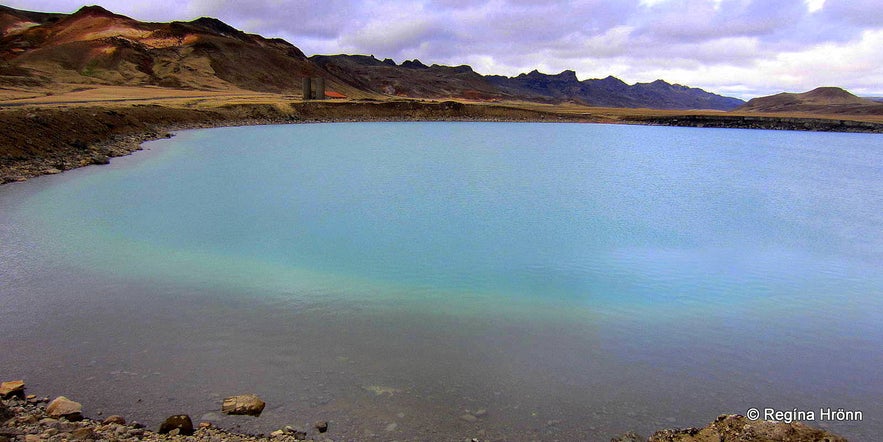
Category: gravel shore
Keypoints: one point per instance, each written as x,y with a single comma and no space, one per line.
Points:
33,419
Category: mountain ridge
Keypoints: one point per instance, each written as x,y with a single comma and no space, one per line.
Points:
96,46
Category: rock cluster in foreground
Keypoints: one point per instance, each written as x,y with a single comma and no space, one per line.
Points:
31,419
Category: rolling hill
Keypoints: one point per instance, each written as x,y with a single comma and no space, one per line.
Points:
823,100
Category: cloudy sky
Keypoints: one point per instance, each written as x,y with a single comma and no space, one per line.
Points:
742,48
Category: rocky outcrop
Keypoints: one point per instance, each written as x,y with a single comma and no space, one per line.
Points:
66,408
759,122
245,404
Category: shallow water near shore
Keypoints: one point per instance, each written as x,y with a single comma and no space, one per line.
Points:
442,281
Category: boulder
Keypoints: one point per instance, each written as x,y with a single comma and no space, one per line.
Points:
9,389
177,424
248,404
114,419
66,408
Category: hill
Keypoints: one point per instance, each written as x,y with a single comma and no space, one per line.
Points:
823,100
96,46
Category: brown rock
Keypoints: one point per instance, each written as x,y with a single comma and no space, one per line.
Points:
83,434
248,404
180,423
27,419
9,389
66,408
114,419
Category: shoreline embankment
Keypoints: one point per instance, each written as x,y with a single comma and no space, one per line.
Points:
47,140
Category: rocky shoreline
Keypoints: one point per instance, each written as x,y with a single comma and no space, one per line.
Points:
43,140
47,140
28,418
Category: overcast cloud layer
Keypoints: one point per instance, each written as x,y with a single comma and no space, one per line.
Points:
742,48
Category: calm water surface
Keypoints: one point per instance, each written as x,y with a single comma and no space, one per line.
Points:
571,281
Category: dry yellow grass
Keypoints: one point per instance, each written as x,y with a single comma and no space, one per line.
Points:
73,95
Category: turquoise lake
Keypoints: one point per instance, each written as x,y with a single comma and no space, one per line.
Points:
443,281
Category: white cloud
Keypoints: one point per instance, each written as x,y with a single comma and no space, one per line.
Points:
814,5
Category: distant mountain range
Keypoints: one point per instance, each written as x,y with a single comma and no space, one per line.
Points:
414,79
96,46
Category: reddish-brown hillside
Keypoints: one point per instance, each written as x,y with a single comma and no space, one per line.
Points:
94,45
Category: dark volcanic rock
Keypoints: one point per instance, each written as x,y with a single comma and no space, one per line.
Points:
179,422
321,426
